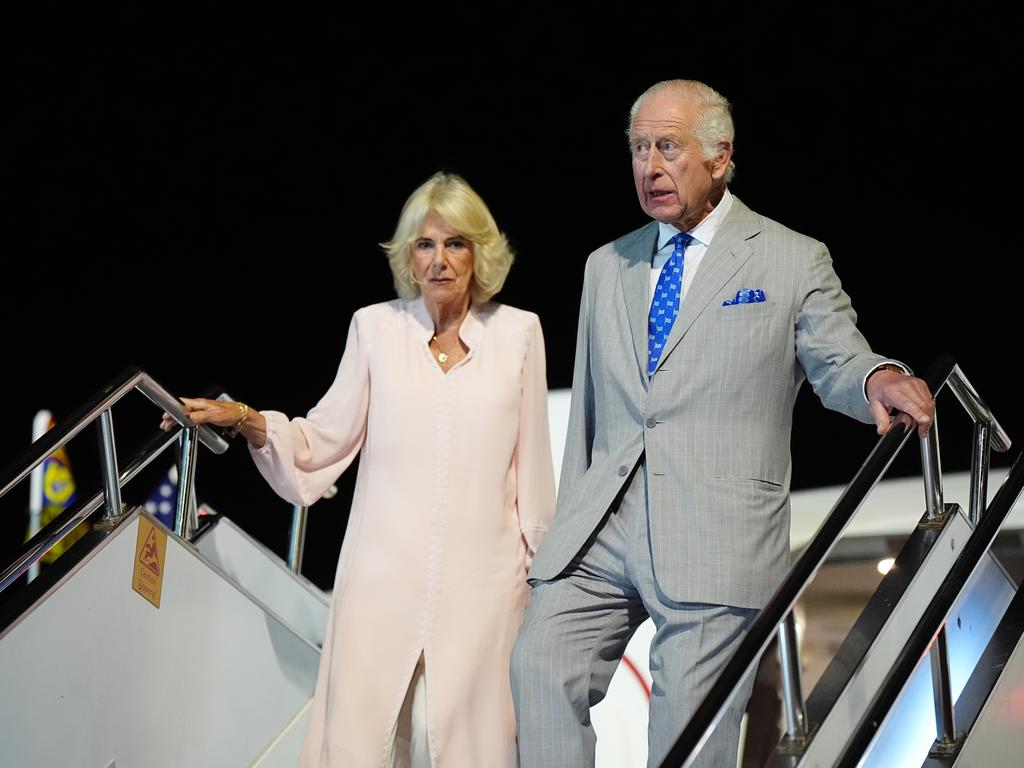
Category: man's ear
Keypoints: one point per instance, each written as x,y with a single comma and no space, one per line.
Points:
720,163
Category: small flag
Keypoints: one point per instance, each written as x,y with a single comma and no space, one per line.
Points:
164,498
58,494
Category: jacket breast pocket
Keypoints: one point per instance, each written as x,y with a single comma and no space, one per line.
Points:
749,313
750,335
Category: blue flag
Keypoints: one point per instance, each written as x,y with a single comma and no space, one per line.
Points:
162,501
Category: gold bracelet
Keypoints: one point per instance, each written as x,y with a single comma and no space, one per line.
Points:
243,410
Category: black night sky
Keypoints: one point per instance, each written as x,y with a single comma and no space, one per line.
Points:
202,196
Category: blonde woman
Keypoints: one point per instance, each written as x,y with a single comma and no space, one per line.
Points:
443,394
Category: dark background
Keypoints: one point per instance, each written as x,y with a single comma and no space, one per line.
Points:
202,196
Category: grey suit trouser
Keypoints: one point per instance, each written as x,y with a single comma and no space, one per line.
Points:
576,629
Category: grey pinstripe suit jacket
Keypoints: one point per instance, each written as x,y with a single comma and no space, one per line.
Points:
715,419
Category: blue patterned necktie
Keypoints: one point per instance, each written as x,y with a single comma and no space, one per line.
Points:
665,305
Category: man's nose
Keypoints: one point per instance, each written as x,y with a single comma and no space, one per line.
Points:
652,165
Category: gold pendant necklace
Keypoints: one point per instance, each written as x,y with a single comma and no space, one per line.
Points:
442,358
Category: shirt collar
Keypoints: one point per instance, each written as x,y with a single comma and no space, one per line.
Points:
705,230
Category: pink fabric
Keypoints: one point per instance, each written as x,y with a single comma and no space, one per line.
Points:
455,478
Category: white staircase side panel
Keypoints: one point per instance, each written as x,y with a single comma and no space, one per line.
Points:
259,571
94,673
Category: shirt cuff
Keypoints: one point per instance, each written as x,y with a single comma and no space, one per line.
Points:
264,450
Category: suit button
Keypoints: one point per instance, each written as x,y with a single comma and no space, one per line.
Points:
651,423
623,471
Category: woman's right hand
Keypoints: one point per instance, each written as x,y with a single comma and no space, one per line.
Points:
238,417
202,410
205,411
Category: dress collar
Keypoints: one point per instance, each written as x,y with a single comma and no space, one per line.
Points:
470,330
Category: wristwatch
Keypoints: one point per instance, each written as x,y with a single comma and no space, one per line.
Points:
892,367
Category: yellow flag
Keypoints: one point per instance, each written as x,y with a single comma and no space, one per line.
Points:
58,495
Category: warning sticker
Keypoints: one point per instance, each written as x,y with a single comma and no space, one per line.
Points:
148,569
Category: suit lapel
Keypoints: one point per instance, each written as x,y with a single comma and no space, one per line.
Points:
728,252
635,272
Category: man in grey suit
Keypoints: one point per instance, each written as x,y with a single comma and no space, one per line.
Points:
673,501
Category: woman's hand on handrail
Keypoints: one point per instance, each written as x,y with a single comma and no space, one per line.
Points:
236,418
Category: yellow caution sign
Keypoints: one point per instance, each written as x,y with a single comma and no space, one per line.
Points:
150,547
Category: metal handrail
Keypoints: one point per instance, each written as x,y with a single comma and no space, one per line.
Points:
60,527
98,410
130,380
943,371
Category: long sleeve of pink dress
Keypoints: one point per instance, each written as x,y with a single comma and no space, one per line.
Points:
455,489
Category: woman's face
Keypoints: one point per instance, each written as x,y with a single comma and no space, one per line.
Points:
442,261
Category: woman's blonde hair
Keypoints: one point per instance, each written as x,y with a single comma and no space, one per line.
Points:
450,197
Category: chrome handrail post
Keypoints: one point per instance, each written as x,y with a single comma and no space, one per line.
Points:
184,525
931,469
979,471
297,537
945,723
108,466
792,686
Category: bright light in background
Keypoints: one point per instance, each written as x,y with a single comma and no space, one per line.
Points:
885,565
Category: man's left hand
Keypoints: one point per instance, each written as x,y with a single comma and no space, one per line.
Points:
887,389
